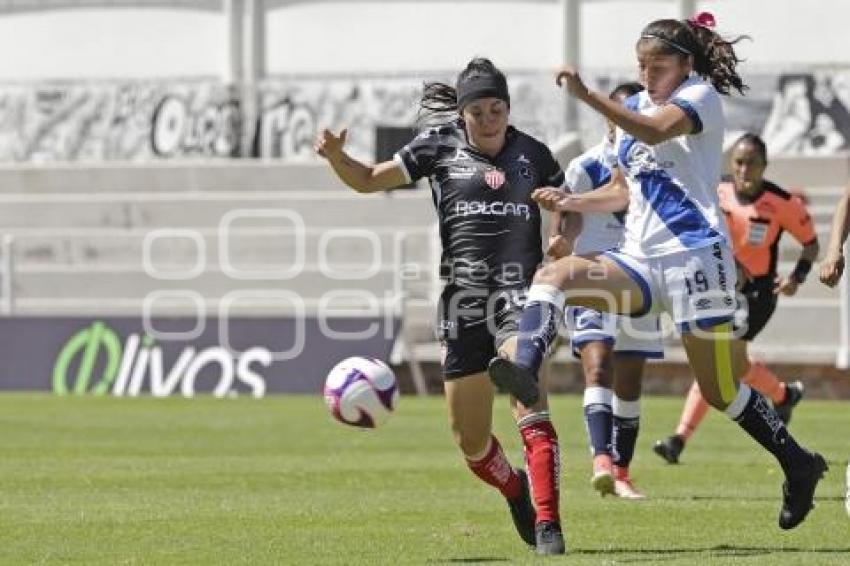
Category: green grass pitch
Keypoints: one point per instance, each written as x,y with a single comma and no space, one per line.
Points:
277,481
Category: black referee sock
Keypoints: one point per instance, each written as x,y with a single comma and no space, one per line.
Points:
762,423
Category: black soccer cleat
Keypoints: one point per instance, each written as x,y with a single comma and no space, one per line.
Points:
550,539
523,513
514,379
670,448
794,392
798,493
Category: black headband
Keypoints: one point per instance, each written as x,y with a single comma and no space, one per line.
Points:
481,86
668,42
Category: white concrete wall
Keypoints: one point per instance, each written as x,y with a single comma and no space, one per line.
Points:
112,43
396,36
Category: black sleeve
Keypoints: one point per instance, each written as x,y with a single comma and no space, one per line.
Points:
419,156
551,173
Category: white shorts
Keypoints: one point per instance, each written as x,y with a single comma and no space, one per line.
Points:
695,287
631,336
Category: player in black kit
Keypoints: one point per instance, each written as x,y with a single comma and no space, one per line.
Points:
482,172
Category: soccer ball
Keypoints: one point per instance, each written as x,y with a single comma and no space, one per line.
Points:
361,392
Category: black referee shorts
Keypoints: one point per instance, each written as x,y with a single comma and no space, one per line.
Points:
473,325
760,304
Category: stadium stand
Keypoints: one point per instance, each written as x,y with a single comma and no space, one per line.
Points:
99,239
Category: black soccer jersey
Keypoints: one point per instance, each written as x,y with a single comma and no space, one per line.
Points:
489,226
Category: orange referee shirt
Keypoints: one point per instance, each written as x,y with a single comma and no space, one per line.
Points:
757,225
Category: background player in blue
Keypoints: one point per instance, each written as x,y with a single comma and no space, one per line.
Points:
482,173
612,349
676,255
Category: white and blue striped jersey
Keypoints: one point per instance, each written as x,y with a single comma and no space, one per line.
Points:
673,202
592,169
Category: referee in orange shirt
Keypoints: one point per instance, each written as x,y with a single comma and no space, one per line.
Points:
757,213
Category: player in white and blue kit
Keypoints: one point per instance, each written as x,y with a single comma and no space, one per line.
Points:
676,255
612,349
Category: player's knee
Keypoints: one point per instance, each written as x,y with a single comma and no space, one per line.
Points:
597,375
596,365
473,447
471,443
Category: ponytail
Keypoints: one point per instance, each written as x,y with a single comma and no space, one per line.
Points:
438,103
714,56
716,59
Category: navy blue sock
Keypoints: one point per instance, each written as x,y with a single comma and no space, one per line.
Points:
538,329
763,424
624,439
597,418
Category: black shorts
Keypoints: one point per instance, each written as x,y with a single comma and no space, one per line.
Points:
473,325
760,304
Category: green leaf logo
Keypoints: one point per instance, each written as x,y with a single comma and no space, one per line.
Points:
87,343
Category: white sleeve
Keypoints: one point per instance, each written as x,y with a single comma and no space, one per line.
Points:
577,179
608,156
702,105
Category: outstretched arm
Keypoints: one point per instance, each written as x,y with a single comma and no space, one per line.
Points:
613,197
833,264
360,177
670,121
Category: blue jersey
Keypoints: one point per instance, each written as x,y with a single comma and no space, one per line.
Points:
673,203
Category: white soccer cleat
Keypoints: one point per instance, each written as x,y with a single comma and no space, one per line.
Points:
623,486
626,489
603,476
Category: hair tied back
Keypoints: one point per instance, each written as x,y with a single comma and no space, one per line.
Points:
703,20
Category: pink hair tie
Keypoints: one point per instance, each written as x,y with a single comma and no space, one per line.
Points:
703,20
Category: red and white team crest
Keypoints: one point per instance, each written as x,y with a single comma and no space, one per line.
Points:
494,178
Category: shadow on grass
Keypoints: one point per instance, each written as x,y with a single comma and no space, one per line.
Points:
479,560
720,551
662,554
737,498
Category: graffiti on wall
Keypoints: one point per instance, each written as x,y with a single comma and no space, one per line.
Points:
805,114
113,121
810,114
183,125
293,112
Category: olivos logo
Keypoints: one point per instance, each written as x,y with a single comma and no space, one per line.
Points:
128,366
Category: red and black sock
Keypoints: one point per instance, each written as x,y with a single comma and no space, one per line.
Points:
495,470
543,464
